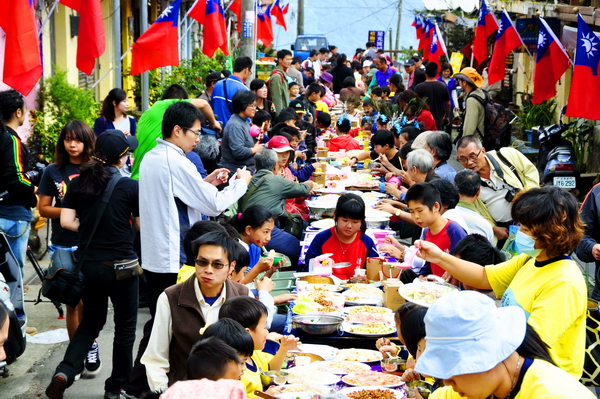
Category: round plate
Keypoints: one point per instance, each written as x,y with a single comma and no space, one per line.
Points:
340,367
346,391
359,355
299,375
324,287
347,327
372,379
364,301
367,309
424,293
300,390
323,224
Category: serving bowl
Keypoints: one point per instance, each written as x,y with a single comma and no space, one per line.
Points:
393,365
377,222
275,377
318,324
424,388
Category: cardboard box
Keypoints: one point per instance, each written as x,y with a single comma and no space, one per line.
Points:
391,297
378,268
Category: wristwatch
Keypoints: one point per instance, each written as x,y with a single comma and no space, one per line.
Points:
355,158
397,214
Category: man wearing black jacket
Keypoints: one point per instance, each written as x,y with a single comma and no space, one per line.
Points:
16,186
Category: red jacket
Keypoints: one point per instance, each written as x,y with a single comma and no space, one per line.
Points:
343,142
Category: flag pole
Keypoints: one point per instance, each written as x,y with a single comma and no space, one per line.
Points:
48,17
111,68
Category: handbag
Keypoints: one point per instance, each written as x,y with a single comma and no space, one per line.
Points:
63,280
126,268
591,364
294,225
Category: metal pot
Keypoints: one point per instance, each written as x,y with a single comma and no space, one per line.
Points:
318,324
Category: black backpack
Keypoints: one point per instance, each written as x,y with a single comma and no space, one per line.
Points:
497,123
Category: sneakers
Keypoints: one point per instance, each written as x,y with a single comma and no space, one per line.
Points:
92,363
120,395
57,386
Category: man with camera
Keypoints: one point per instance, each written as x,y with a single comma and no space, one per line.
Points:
503,174
17,185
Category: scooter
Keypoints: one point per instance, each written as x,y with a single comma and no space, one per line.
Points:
556,158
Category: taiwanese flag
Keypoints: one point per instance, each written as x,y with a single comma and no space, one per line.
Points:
91,42
236,7
211,14
585,85
277,12
264,26
421,34
159,45
551,63
437,48
285,6
486,25
507,40
22,62
429,28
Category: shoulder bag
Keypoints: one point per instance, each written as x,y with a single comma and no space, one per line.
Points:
63,280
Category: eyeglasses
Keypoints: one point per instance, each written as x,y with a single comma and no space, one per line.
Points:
472,157
197,133
214,265
254,106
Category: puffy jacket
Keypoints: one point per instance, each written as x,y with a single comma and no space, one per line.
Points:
14,156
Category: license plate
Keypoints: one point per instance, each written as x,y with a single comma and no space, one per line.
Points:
564,182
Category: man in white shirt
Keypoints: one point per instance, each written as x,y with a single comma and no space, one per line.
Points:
469,187
182,311
173,196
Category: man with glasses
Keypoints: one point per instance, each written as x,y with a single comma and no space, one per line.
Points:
278,81
173,195
503,174
184,309
224,90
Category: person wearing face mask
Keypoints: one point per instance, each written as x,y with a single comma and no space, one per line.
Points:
544,281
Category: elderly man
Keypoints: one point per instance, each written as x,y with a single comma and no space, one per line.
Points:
271,190
468,184
439,144
183,309
503,173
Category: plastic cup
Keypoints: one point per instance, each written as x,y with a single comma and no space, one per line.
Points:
360,272
302,361
301,286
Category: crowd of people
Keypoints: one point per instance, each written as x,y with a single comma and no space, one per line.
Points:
198,191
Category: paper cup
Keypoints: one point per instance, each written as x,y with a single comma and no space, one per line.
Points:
302,361
360,272
301,286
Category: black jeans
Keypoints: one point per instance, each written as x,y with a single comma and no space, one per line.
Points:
156,283
100,285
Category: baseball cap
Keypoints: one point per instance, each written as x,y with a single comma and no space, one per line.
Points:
471,76
213,77
466,333
367,63
298,106
113,144
409,62
280,144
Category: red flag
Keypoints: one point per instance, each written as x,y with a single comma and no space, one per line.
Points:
22,62
236,7
159,45
211,14
277,12
91,42
438,48
551,63
486,25
429,26
264,26
507,40
585,85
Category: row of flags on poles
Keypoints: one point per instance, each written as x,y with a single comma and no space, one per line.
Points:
157,47
551,60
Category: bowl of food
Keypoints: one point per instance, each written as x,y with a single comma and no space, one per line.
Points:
424,388
318,324
377,222
277,257
393,365
275,377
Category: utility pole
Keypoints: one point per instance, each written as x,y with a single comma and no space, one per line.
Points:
248,34
117,42
398,28
300,17
144,28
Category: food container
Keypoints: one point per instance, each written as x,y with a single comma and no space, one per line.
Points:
393,365
321,208
318,325
319,178
277,257
275,377
322,152
424,388
377,222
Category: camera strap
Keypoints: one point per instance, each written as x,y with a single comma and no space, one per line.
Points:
498,170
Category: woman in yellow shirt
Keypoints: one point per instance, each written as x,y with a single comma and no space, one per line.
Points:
544,281
480,350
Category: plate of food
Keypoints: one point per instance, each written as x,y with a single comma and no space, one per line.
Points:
371,393
341,367
367,309
323,224
324,287
304,388
371,378
425,293
359,355
298,395
299,375
366,318
368,330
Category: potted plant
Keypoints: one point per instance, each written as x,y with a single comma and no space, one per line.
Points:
533,115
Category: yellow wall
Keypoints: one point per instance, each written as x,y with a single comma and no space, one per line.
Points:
64,45
106,62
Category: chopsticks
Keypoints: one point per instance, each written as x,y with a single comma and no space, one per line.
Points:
264,395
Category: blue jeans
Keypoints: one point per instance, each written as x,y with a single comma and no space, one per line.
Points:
17,233
52,248
100,285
